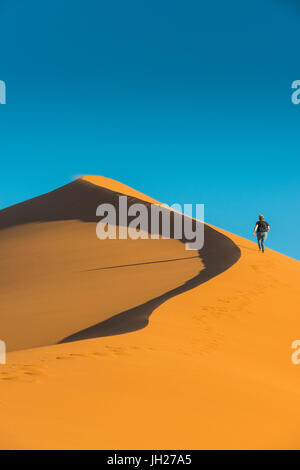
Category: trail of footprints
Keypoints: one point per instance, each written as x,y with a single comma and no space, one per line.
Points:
33,373
231,305
22,373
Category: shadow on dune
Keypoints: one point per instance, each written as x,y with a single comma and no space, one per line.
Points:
79,201
140,264
219,253
75,201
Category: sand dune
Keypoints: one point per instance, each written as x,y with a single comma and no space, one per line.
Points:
59,279
210,368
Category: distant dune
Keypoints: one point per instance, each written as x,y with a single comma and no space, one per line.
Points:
140,343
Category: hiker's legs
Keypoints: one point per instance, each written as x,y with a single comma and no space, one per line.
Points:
263,239
259,240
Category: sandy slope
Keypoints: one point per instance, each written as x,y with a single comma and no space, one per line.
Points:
212,369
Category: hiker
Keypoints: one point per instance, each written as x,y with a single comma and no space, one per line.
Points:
261,229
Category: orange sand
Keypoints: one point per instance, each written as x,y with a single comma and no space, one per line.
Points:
212,369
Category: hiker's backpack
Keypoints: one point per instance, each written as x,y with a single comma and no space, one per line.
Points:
263,226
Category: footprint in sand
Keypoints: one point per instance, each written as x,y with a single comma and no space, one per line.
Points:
23,373
117,351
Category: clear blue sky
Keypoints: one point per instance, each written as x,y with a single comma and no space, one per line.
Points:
187,101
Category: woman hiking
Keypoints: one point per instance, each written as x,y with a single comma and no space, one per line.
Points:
261,229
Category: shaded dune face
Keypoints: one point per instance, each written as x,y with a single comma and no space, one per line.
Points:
59,282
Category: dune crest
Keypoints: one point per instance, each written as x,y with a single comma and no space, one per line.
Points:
118,187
